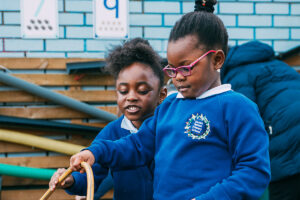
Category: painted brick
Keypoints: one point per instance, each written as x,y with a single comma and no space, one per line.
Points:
272,33
158,33
236,8
232,43
156,44
1,45
45,55
101,45
162,54
289,1
61,32
79,32
295,9
135,32
188,7
70,19
86,55
64,45
287,21
282,46
145,19
0,17
256,0
12,18
171,19
240,33
272,8
79,6
9,5
135,6
161,7
10,31
295,33
89,19
254,20
23,45
12,54
164,44
228,20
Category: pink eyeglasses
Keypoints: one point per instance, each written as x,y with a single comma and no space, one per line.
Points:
184,70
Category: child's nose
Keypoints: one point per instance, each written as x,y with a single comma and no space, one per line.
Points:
131,96
179,77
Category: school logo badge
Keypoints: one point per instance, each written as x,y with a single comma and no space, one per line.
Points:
197,127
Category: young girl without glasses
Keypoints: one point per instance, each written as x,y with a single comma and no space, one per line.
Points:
208,142
139,84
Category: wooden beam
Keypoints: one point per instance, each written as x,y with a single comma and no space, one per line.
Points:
66,80
40,63
104,96
39,161
49,112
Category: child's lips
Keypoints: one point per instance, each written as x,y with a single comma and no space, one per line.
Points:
132,109
183,88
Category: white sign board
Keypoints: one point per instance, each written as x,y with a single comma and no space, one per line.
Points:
39,19
111,18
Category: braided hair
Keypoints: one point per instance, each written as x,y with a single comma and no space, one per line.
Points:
206,26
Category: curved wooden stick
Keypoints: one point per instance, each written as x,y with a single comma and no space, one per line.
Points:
90,182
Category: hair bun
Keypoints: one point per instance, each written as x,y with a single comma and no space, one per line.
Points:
205,5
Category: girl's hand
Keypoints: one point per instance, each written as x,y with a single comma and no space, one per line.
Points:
83,156
54,180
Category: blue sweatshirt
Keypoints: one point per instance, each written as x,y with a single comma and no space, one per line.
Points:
131,184
211,147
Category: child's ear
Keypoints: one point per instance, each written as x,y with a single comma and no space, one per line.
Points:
218,59
162,94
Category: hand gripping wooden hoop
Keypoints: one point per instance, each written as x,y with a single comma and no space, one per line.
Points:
90,182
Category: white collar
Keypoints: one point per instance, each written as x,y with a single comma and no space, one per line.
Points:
127,124
214,91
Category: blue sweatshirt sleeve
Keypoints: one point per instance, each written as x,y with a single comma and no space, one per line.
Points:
248,144
132,151
79,186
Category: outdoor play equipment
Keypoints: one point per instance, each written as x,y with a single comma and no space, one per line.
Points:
56,97
39,142
90,182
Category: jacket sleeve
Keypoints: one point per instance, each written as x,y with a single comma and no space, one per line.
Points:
79,186
129,152
248,144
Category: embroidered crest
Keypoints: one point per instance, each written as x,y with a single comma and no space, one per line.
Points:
197,127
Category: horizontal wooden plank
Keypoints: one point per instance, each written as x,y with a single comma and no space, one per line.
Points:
40,63
104,96
49,112
31,194
17,181
66,80
59,194
39,161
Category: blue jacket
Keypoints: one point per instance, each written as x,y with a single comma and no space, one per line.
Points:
132,184
252,70
203,148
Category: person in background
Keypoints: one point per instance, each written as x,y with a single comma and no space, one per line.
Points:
252,70
139,85
208,142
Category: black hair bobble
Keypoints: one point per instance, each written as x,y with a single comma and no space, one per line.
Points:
205,5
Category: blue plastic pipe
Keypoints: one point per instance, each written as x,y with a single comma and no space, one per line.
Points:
56,97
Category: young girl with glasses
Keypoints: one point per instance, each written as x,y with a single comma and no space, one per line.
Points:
208,142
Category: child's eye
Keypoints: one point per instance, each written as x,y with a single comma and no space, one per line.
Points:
123,92
143,92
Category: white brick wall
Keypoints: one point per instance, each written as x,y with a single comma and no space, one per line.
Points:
275,22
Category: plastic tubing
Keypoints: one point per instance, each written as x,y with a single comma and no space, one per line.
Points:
90,182
26,172
39,142
56,97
